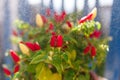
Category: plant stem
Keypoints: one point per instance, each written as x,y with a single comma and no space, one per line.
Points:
74,78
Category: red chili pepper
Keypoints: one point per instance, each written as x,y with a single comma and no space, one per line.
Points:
95,34
93,51
86,18
59,17
89,16
51,26
59,41
30,45
87,49
14,56
6,71
53,33
56,17
63,14
53,41
37,47
44,19
16,68
69,24
33,46
48,12
14,32
56,41
82,20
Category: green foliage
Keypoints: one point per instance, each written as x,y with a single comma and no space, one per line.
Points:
68,62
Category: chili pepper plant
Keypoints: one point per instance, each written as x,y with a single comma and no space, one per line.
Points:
59,47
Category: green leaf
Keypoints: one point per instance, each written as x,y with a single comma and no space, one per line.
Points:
73,55
43,72
17,75
37,59
36,54
82,77
73,40
57,62
65,57
39,67
98,25
31,68
68,74
87,76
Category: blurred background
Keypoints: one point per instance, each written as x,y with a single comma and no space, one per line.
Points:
11,10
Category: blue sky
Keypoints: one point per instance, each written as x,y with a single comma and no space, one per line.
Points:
69,4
